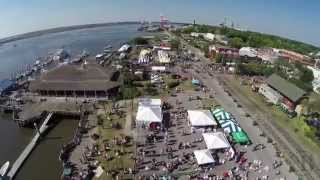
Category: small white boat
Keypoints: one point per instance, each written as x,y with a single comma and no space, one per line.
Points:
4,169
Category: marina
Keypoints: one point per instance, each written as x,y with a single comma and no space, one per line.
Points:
27,67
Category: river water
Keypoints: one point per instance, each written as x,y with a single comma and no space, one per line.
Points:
43,162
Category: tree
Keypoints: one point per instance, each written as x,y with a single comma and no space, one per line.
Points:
175,44
140,41
236,42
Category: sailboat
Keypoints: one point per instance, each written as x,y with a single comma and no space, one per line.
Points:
4,168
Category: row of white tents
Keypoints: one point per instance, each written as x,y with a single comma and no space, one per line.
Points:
213,141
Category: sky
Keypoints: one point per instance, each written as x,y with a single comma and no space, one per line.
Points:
294,19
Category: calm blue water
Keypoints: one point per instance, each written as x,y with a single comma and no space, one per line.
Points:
43,162
15,59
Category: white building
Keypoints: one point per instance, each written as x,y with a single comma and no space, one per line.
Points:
163,57
209,36
272,95
316,81
248,51
195,34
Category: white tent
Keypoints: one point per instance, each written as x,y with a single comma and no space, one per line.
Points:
203,156
201,118
216,140
149,114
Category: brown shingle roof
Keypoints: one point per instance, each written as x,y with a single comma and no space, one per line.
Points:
73,77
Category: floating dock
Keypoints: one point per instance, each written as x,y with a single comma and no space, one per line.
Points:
27,151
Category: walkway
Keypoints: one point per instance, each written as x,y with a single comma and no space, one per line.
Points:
27,151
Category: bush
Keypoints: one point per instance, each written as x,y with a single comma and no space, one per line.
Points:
173,84
292,169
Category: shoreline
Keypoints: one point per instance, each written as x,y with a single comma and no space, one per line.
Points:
42,32
60,29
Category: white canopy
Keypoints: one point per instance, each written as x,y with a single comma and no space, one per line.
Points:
201,118
149,114
216,140
203,156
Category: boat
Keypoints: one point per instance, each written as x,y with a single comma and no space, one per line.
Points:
108,47
4,169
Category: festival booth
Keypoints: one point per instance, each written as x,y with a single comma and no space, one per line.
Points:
149,116
216,140
203,157
221,114
229,125
201,118
240,137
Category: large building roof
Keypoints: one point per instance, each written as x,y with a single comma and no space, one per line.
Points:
69,77
286,88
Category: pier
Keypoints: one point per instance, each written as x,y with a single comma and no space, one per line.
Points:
27,151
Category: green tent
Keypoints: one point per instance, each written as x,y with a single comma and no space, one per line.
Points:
240,137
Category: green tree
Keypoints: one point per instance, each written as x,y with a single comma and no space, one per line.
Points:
175,44
236,42
140,41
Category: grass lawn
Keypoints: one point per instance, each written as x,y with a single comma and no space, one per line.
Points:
107,133
313,103
295,126
208,103
187,85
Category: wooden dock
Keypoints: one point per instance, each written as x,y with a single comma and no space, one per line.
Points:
27,151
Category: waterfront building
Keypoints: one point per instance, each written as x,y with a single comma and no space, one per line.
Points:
70,80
